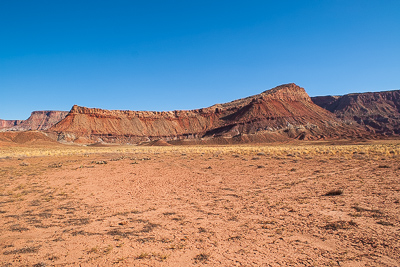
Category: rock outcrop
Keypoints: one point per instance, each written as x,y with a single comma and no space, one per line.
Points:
9,123
39,120
377,112
277,114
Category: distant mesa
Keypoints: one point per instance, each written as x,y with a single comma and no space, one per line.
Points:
283,113
39,121
9,123
377,113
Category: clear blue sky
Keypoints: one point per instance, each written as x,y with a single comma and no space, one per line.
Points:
166,55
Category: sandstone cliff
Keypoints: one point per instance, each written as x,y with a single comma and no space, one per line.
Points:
39,120
282,112
9,123
377,112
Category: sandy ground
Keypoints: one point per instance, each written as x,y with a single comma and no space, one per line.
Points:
219,207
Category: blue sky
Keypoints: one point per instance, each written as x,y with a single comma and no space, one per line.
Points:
167,55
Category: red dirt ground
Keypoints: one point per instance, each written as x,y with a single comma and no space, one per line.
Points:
217,207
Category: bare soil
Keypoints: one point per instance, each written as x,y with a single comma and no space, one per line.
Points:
217,207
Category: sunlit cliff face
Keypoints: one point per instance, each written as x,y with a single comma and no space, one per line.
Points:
285,111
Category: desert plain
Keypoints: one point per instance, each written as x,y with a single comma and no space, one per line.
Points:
289,204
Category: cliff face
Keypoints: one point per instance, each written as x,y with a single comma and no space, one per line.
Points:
39,120
9,123
282,112
377,112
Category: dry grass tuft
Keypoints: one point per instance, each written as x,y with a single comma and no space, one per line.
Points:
340,225
202,257
22,250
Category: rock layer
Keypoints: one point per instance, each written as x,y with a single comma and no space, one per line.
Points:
377,112
9,123
39,120
280,113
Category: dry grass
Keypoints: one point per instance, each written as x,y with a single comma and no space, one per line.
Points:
377,150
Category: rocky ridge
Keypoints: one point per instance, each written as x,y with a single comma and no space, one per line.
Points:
281,113
377,112
9,123
39,120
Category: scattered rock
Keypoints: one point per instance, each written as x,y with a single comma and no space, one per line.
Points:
100,162
334,192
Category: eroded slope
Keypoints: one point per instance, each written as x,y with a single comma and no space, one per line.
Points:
285,111
377,112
